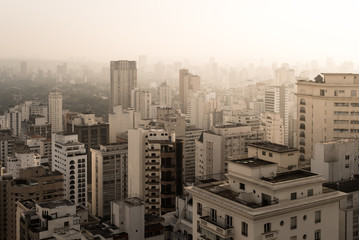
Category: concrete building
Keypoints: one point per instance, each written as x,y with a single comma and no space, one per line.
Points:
165,95
192,135
257,202
129,215
91,132
336,160
273,127
123,81
171,120
69,157
55,111
13,118
328,109
48,220
21,159
188,83
284,75
276,101
155,158
199,110
6,143
36,125
286,157
349,208
109,168
121,120
214,147
141,102
37,183
181,221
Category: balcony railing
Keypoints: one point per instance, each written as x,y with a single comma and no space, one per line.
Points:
222,231
269,235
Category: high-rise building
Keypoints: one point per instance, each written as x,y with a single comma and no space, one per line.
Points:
165,94
109,168
141,102
192,134
171,120
91,132
155,168
37,183
123,81
273,127
13,118
284,75
55,111
276,101
259,202
69,157
120,120
188,83
328,109
6,143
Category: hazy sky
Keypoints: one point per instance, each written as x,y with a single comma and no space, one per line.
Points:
175,29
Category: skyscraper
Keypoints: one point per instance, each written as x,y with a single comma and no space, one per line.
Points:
188,83
276,101
123,80
55,111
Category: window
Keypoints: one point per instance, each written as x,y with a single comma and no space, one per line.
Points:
199,209
347,157
229,221
66,224
317,235
263,153
293,238
270,154
267,227
293,223
355,219
310,192
293,196
242,186
321,94
213,215
347,165
353,93
244,229
317,217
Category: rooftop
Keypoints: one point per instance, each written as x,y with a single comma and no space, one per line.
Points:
289,175
233,125
56,203
346,186
253,162
273,147
134,201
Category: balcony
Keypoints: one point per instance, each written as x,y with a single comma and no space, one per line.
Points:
167,179
224,232
269,235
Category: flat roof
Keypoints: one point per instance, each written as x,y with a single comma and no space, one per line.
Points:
231,125
252,162
289,175
56,203
346,186
273,147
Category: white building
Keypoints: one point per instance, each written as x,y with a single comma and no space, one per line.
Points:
55,111
129,216
273,127
214,147
336,160
121,120
141,102
109,169
276,101
165,94
22,159
256,202
13,121
56,220
284,156
69,157
199,111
